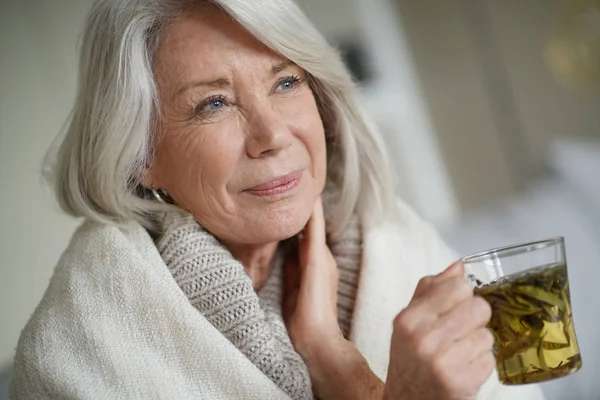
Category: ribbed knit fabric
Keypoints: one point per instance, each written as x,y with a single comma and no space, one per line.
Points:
347,251
217,285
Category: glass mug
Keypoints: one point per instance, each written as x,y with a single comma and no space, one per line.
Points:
528,289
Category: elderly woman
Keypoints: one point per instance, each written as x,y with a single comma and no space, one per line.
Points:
241,238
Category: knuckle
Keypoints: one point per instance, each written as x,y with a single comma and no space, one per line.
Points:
488,364
424,284
425,346
426,280
462,287
481,370
482,308
483,339
439,370
458,289
488,338
403,320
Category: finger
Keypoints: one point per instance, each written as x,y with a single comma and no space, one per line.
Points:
469,376
468,317
315,228
457,269
443,297
479,370
426,283
485,362
423,286
471,347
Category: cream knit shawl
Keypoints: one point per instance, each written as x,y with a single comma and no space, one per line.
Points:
113,323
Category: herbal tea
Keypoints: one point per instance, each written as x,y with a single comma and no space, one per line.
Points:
533,326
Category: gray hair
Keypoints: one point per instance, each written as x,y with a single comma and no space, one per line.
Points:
107,148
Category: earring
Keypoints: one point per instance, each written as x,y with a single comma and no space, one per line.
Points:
158,196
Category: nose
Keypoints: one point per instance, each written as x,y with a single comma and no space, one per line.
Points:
268,134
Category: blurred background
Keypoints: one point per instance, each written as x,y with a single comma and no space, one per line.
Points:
490,110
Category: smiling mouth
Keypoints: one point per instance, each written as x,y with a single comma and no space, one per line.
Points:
278,186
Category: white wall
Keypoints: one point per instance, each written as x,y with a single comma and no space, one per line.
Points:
38,41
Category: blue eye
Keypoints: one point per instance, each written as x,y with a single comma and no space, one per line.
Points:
287,83
215,105
210,105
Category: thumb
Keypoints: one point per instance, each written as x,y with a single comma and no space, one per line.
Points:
426,283
455,270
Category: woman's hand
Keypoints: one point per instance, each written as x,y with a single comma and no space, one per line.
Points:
441,348
310,305
337,369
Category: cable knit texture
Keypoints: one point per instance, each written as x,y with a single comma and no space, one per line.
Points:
217,285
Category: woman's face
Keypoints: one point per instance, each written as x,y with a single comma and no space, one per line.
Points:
241,144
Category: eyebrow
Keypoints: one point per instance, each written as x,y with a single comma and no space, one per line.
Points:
277,68
215,83
224,82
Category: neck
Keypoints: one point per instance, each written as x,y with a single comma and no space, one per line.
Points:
256,260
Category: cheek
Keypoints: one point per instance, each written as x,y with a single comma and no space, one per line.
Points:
320,157
196,161
316,147
305,121
314,139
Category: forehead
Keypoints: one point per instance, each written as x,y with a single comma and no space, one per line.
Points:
207,38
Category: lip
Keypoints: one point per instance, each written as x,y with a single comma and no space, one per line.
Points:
277,186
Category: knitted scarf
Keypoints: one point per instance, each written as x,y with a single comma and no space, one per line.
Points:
217,285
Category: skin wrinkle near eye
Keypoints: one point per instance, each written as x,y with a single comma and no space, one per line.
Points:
190,142
230,99
225,82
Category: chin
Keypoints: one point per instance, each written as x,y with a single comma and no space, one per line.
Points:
280,223
278,229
